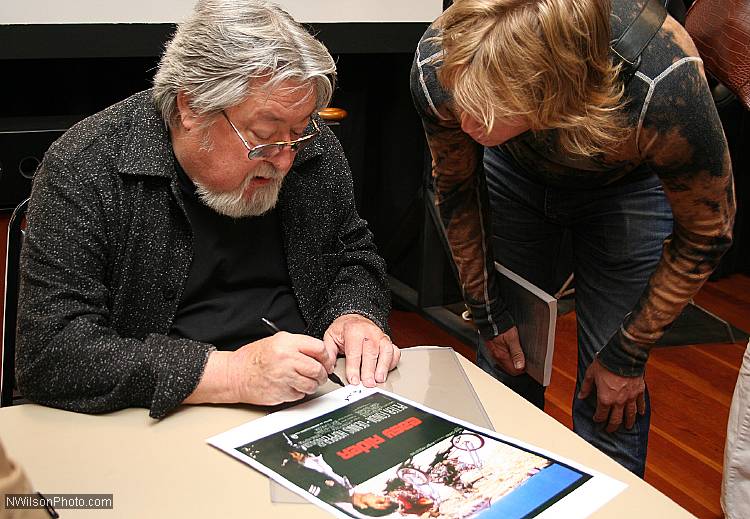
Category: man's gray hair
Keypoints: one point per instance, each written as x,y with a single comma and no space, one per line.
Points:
218,52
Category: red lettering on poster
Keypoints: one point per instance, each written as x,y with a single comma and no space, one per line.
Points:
401,427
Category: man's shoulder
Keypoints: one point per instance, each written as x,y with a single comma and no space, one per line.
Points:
671,44
100,136
430,96
429,54
430,43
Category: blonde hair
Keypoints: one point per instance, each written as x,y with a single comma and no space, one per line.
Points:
545,60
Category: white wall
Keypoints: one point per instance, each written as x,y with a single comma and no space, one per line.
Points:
168,11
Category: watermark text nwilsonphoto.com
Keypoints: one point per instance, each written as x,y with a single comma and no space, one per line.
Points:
59,501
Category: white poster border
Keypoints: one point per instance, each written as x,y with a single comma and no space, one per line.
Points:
580,503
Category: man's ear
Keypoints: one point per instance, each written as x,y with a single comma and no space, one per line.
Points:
187,117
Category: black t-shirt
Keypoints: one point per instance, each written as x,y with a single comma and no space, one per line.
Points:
238,275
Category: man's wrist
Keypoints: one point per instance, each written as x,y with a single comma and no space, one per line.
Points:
218,384
358,314
623,357
494,327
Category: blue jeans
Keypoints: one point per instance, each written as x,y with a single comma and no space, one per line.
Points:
617,238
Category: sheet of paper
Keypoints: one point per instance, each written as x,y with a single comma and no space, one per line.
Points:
356,449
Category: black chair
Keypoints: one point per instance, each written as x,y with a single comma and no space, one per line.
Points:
12,264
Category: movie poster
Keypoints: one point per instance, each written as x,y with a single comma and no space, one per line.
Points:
373,454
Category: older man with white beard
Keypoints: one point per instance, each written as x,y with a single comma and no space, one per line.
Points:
164,228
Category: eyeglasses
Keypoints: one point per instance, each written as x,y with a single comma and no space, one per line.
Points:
271,149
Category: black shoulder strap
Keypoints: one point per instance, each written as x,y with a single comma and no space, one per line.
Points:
636,36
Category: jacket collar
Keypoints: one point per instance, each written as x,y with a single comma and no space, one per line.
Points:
148,147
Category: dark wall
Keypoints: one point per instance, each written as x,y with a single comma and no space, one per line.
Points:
382,136
72,86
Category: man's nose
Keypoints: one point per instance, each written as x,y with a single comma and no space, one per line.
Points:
283,160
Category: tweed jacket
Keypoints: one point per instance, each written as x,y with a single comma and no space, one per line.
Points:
108,252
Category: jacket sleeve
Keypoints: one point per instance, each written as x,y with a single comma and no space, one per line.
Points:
357,274
460,196
683,140
68,355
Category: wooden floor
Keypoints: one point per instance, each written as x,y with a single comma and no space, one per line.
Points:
691,388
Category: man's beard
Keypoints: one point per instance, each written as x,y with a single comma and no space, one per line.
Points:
235,205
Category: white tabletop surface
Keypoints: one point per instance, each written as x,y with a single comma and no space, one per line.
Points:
165,469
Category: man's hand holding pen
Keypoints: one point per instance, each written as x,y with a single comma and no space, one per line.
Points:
282,368
273,329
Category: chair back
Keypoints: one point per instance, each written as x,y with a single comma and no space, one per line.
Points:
10,307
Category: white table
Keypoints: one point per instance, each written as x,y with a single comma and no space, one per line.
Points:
165,469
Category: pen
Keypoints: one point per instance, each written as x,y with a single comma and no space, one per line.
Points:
271,326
